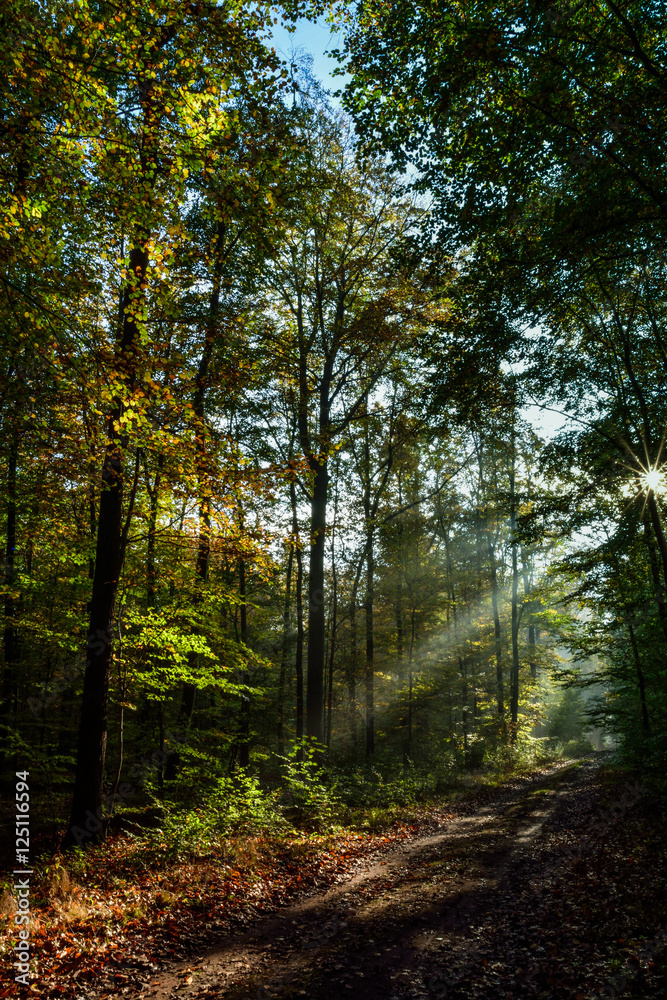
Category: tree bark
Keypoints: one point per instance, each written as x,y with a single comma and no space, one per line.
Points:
151,571
298,659
203,461
659,590
283,653
370,643
641,683
500,689
9,682
354,654
298,601
86,818
244,724
532,638
656,524
316,616
514,679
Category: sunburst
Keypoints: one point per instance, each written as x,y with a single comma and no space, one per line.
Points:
652,480
649,479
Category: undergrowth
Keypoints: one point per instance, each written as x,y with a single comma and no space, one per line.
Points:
314,796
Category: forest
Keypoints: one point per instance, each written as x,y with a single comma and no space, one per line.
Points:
331,488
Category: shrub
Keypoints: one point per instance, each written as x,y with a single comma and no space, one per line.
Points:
236,806
310,795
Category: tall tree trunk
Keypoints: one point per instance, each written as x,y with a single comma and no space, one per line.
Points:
354,653
370,510
151,571
641,683
500,688
298,601
370,642
283,652
408,742
463,663
244,724
398,614
656,524
334,614
493,570
532,637
659,589
10,680
400,653
203,460
463,670
514,679
189,693
298,659
86,820
92,515
641,680
332,656
316,616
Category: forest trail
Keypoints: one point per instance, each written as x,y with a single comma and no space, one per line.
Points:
473,911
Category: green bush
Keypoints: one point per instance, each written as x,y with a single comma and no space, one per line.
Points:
580,747
239,805
309,794
236,806
528,752
399,784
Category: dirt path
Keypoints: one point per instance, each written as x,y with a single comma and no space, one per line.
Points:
426,921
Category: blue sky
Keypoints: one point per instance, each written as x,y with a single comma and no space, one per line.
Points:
315,39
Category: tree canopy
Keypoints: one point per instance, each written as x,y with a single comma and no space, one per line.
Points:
268,482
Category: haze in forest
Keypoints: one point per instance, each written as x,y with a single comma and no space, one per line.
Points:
332,429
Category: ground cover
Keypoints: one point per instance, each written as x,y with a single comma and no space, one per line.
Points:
549,885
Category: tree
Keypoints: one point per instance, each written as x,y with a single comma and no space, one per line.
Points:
520,117
162,97
345,306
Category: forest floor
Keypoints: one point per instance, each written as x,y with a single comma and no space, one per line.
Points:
550,886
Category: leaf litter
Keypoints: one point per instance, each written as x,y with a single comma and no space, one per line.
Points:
544,888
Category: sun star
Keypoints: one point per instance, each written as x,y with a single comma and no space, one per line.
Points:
653,480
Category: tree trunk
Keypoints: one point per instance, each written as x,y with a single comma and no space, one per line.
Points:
655,575
92,516
354,655
463,669
9,681
332,654
646,725
500,690
151,572
244,724
283,652
298,659
370,643
532,637
407,749
202,459
514,680
86,819
656,523
298,600
201,576
316,616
